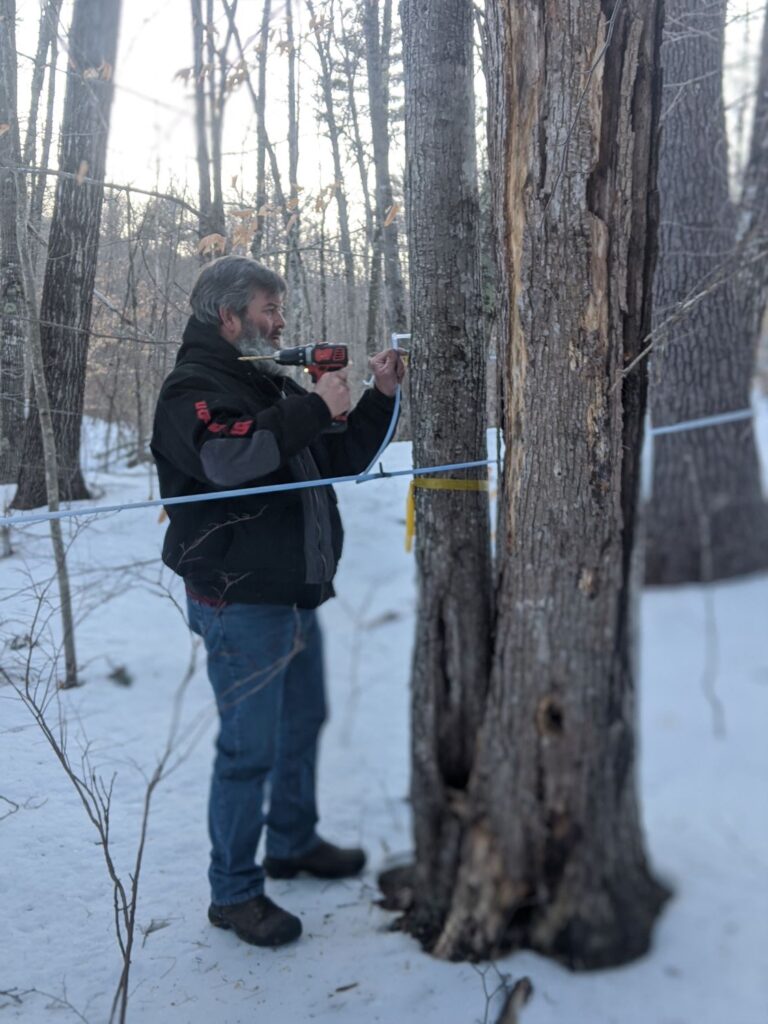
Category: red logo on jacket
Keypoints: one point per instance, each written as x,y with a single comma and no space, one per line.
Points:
238,429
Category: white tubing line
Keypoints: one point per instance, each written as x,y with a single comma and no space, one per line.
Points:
705,421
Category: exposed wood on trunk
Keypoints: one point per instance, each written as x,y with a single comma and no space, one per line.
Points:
67,298
707,517
451,656
551,848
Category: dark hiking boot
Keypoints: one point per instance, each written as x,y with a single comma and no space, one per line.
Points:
323,861
258,921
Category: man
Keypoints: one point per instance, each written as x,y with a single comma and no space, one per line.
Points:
255,570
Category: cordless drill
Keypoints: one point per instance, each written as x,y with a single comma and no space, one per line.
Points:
316,360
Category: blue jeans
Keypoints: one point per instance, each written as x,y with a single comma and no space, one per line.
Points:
265,663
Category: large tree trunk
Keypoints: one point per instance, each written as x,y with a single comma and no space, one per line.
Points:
707,517
552,854
67,298
451,657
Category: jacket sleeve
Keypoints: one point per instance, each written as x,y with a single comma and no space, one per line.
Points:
211,437
352,451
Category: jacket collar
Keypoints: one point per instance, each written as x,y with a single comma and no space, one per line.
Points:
203,345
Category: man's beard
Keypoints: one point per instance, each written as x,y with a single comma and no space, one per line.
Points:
254,343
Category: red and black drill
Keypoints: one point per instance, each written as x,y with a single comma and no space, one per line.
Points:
316,360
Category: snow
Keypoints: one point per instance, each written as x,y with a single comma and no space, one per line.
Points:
703,798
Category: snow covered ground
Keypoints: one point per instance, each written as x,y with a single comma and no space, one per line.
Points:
704,765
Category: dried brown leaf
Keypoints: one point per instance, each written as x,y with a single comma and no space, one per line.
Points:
4,128
392,212
82,171
212,242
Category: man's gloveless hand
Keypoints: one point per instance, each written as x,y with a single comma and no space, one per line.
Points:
388,370
334,391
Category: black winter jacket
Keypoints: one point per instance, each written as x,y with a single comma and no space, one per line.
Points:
222,424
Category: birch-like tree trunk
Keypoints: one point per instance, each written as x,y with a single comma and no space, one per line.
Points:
707,518
67,299
451,656
546,849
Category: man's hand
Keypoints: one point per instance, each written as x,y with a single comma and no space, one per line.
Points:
334,391
388,370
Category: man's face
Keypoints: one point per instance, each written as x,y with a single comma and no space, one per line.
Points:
262,324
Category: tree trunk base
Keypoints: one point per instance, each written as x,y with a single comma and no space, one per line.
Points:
736,546
31,492
582,931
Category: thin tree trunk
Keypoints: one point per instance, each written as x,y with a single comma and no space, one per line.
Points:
551,852
378,90
451,656
38,192
211,219
15,201
12,301
323,47
67,298
259,100
707,518
293,221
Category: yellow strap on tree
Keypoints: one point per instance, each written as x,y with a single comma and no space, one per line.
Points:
433,484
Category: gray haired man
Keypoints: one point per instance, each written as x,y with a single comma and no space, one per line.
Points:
255,569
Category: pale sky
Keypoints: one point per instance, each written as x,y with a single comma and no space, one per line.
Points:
152,116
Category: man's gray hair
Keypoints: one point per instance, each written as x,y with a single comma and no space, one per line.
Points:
230,281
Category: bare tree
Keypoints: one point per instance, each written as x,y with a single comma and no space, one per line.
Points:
452,652
259,97
67,297
47,44
707,518
378,40
15,205
210,89
550,852
12,301
321,28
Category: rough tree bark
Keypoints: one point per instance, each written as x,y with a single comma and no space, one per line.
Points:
707,518
67,298
551,853
451,656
